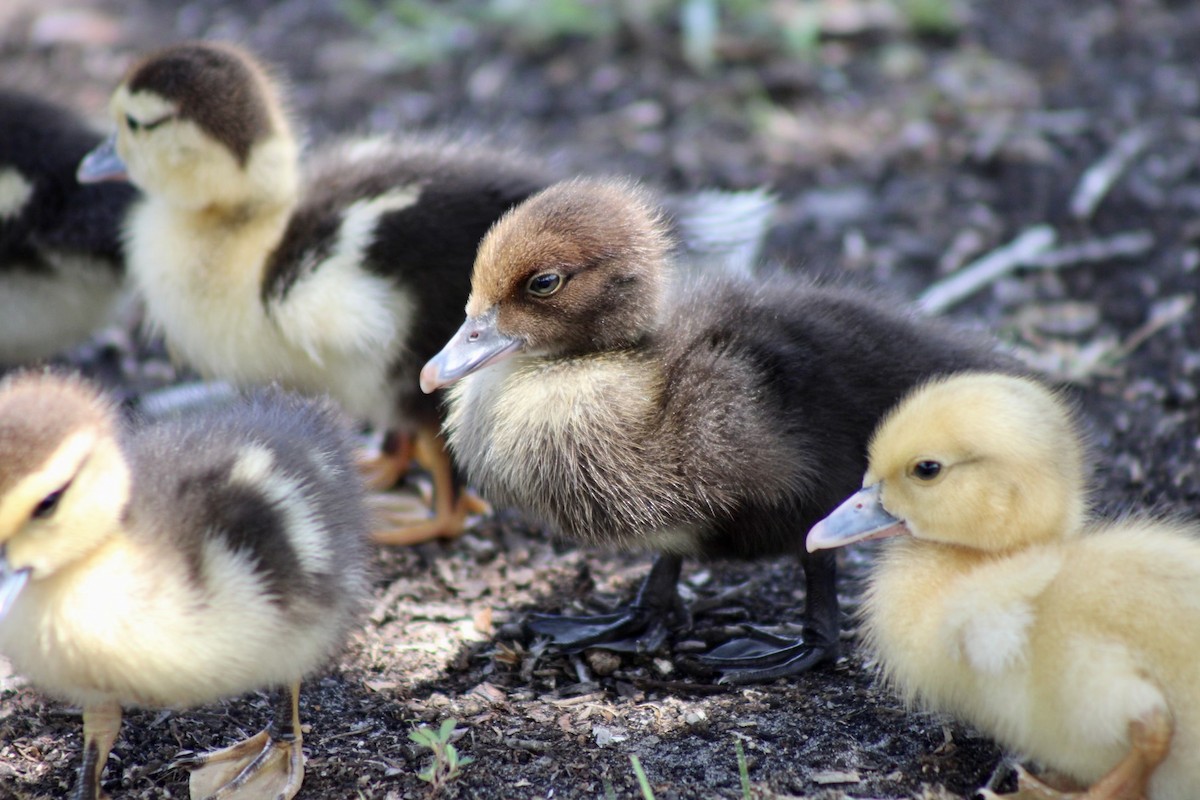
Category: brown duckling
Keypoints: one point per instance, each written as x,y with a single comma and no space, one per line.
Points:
177,563
343,277
703,415
61,262
1071,640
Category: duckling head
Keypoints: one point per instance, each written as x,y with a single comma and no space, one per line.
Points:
64,482
200,125
979,460
578,268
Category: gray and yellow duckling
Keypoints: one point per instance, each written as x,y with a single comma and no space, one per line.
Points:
176,563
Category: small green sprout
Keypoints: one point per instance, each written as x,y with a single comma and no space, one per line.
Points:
446,761
647,792
743,768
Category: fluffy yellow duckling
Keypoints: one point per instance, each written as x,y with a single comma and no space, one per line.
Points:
177,563
61,264
342,277
1070,641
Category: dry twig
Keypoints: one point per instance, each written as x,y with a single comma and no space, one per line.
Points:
1101,176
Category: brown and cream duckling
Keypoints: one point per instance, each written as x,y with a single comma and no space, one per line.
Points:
343,277
701,415
1071,640
61,262
177,563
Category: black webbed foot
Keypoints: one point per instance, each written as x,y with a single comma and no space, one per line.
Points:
631,629
637,627
765,656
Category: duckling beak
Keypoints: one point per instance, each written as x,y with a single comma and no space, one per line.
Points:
102,164
861,517
12,581
477,344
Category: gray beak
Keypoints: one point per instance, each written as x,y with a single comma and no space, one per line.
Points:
12,581
476,345
102,164
860,517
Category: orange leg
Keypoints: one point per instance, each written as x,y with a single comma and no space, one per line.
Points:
451,505
1150,740
386,468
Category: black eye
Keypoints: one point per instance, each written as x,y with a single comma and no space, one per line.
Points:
132,123
50,502
544,284
149,126
927,470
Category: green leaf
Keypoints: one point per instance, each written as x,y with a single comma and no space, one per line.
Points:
447,729
423,736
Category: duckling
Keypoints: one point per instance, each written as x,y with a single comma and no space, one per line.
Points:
61,265
176,563
341,279
1070,640
624,402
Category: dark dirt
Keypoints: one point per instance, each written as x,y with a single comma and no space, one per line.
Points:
897,158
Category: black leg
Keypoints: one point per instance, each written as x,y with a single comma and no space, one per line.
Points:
640,626
765,657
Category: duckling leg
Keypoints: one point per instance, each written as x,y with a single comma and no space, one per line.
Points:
451,503
765,657
100,726
384,470
269,764
1150,741
638,627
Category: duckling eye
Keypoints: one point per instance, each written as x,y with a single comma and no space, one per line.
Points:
926,470
132,123
544,284
48,504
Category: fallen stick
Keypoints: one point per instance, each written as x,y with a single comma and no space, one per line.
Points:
1021,253
979,273
1100,177
1121,245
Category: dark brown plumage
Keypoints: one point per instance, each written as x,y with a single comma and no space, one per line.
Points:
702,415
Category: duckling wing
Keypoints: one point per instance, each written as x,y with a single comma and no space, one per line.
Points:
259,505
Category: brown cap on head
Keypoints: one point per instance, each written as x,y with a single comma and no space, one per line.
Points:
221,88
37,412
575,225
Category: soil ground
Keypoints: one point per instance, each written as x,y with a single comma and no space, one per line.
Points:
899,155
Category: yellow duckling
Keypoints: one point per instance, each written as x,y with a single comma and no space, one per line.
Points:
1072,642
177,563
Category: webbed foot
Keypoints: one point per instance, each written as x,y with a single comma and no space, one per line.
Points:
267,765
259,767
765,656
1150,741
632,629
637,627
